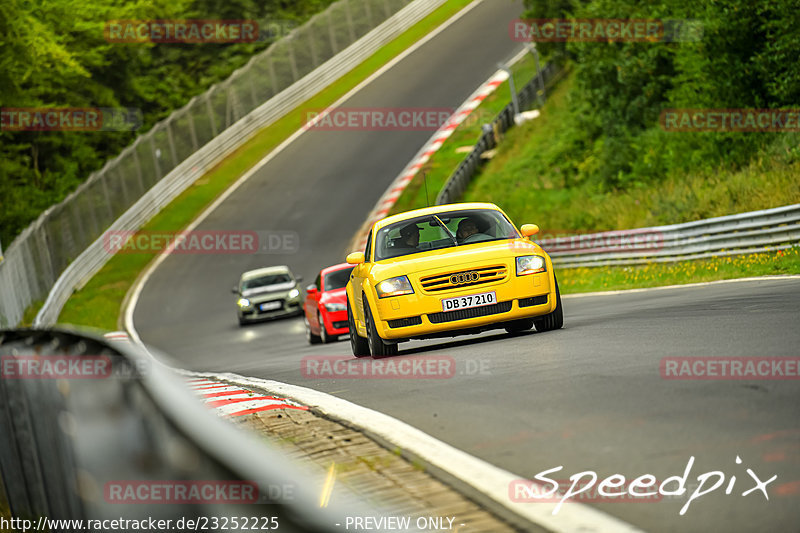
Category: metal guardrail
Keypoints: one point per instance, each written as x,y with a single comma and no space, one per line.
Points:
62,248
457,183
752,232
64,441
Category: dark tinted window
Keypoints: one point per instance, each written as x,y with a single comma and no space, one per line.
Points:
337,279
263,281
402,238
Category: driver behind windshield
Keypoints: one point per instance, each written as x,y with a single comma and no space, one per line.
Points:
409,236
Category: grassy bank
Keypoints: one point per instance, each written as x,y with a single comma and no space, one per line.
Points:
442,164
524,180
98,303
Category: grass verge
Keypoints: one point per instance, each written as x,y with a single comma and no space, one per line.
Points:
516,180
442,164
576,280
98,303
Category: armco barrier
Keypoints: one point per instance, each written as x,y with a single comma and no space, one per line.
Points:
64,442
753,232
61,250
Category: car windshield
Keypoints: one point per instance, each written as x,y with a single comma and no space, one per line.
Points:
443,230
337,279
263,281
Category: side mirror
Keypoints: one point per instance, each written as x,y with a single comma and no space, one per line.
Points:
235,290
311,289
355,258
298,279
529,229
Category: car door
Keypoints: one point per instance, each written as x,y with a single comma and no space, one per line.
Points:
357,277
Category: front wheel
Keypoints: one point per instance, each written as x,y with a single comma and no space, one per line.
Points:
553,320
376,344
359,344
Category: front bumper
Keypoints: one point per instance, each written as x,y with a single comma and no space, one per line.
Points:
289,307
420,315
335,322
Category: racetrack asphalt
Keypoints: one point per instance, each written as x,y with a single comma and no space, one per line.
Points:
589,397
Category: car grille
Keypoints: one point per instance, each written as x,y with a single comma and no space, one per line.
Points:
405,322
340,324
536,300
463,314
443,282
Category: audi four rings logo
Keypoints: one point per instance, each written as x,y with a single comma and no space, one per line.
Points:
464,277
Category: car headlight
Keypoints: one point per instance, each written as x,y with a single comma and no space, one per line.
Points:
394,287
335,307
530,264
243,302
294,293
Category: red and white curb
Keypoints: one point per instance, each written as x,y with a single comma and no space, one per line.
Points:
390,196
231,401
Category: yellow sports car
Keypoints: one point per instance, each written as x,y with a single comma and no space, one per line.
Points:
448,270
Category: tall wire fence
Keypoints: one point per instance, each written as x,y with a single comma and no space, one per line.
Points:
36,258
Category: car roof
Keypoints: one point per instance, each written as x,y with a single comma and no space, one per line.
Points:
436,209
281,269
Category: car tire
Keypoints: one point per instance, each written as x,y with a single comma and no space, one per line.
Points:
323,333
554,320
359,344
517,326
376,344
242,322
310,337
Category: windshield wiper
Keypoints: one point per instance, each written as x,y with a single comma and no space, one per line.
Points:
453,237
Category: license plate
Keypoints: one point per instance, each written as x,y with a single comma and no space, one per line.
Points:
269,306
465,302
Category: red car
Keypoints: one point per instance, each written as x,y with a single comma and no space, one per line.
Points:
325,306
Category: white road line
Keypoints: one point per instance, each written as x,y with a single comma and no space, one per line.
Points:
483,476
136,290
685,286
